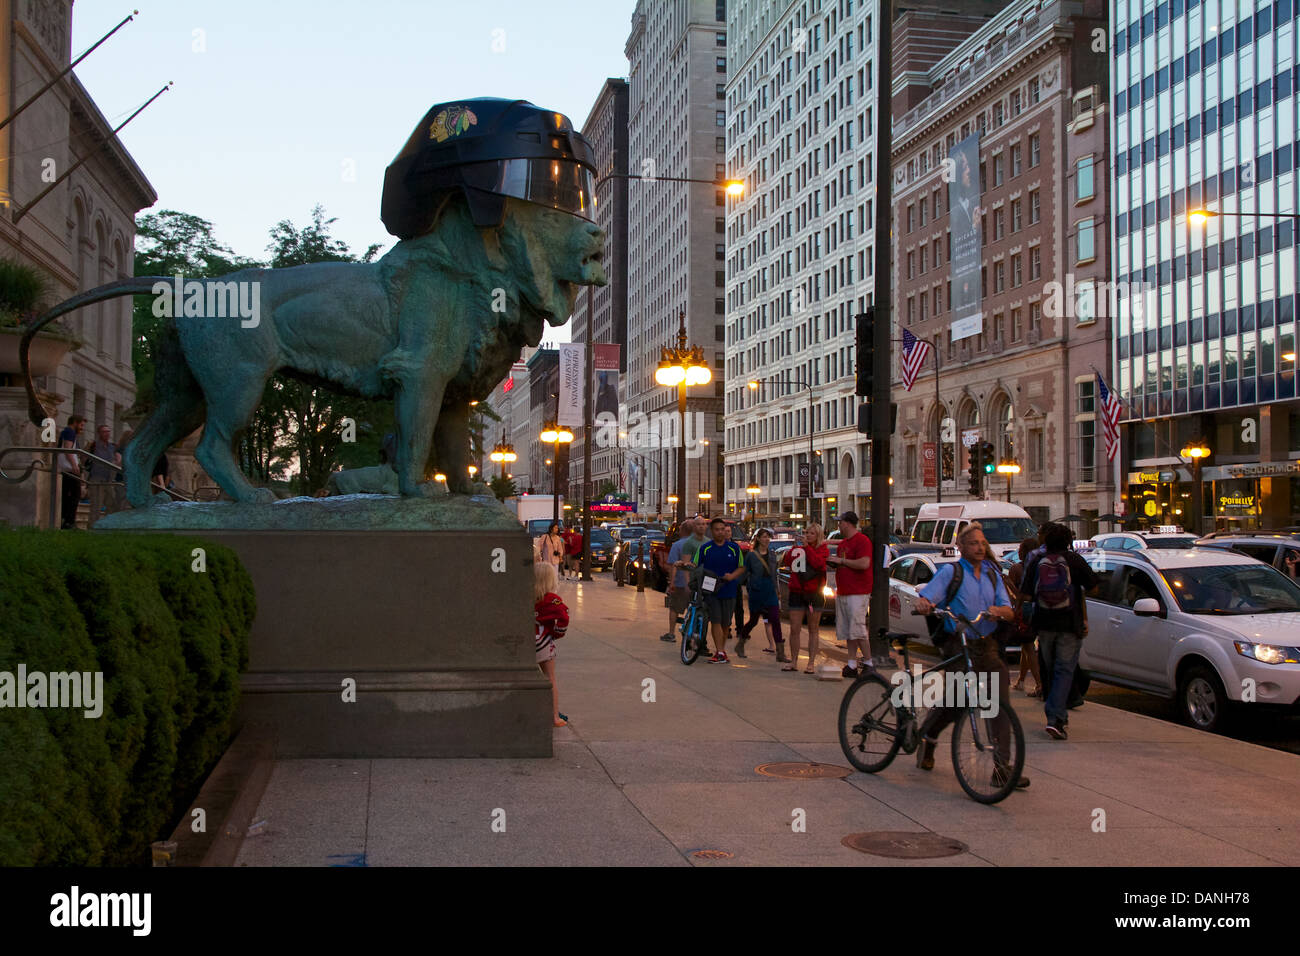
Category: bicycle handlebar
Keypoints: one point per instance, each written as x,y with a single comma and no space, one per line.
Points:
944,612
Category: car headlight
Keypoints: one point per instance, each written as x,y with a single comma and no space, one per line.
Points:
828,591
1268,653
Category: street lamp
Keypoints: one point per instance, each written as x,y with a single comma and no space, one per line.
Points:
1009,467
1196,451
788,380
503,453
1200,217
753,491
682,366
555,434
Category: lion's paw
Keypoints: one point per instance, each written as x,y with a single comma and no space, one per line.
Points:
262,496
431,489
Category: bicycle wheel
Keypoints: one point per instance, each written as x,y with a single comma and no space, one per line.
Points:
690,640
979,770
870,734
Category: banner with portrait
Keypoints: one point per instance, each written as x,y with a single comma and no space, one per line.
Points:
964,221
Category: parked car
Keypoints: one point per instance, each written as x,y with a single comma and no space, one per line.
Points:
603,547
1205,627
1271,547
1140,540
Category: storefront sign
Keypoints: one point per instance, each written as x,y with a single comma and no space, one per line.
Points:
1144,477
1168,476
1265,469
1237,501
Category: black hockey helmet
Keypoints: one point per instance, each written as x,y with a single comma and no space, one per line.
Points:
487,148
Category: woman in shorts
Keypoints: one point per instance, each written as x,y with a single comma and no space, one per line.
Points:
807,567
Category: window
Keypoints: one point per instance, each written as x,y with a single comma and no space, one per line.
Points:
1017,317
720,118
1036,262
720,144
722,64
721,39
1136,585
999,224
1035,212
1085,247
997,115
1034,153
1017,272
1016,167
911,463
722,91
911,218
1083,184
1085,302
1033,91
1015,103
1035,452
720,252
1016,214
997,170
1000,277
1084,400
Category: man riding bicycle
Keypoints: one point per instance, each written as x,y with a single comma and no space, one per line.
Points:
981,589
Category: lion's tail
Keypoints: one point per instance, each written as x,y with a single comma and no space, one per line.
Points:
136,285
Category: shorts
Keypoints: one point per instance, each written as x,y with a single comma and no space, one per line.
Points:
851,617
799,601
546,653
721,610
678,600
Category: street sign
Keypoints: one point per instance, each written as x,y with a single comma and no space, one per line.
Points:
970,436
803,480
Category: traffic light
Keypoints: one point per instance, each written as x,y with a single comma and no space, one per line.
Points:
865,354
976,472
986,454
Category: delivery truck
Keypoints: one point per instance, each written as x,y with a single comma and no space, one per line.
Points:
535,512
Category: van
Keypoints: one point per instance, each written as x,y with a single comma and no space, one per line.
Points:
938,524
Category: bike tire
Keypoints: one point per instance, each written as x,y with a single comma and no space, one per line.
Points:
868,718
977,777
690,642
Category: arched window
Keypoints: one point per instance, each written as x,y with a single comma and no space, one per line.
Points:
1004,423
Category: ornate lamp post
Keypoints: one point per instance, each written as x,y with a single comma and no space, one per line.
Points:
682,366
1009,467
502,454
1196,451
753,491
553,434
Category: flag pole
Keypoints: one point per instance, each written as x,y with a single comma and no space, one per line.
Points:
938,445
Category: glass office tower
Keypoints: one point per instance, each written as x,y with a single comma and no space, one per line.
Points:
1205,117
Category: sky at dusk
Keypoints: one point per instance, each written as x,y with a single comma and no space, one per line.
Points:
282,104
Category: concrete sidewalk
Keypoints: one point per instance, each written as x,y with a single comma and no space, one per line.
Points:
651,783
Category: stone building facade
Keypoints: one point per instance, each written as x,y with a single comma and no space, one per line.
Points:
1033,85
81,235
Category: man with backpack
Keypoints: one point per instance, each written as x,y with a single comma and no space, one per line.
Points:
1055,580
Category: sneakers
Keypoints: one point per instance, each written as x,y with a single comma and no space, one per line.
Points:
668,638
999,779
925,754
719,658
1056,730
849,672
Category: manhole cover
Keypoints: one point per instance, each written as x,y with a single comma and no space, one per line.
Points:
712,855
901,845
802,771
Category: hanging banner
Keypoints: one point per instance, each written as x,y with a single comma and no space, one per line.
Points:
964,212
929,456
572,376
606,361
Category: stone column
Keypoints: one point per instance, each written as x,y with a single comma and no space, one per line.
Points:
27,503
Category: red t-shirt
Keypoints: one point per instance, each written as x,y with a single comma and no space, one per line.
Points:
847,580
573,540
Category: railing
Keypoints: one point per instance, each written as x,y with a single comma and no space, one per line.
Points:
50,468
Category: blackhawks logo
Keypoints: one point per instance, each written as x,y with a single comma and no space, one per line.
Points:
451,122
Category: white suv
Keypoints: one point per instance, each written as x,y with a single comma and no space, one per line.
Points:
1142,540
1208,628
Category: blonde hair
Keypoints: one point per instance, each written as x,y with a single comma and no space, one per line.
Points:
969,530
817,529
544,579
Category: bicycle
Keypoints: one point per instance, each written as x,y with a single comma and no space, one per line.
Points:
695,626
870,718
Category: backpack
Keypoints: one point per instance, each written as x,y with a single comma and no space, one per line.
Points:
1054,589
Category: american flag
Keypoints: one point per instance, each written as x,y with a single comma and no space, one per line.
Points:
914,353
1110,412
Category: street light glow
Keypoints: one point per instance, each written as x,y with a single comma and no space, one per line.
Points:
1195,452
734,187
1200,216
669,374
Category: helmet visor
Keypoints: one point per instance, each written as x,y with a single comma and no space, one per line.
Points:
558,183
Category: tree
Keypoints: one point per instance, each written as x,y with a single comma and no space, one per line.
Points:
313,415
503,487
607,487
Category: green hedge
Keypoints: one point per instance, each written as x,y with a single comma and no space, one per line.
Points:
170,642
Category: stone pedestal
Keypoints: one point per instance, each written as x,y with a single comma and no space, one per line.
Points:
426,605
25,503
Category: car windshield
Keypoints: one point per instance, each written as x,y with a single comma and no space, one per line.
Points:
601,536
1008,530
631,533
1171,542
1233,589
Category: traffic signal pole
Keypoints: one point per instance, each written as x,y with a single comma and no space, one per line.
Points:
878,623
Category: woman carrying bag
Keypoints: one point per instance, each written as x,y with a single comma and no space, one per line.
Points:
551,547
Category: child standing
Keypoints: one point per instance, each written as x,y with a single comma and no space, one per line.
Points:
552,624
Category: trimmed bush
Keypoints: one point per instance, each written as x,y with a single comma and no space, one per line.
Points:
170,642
